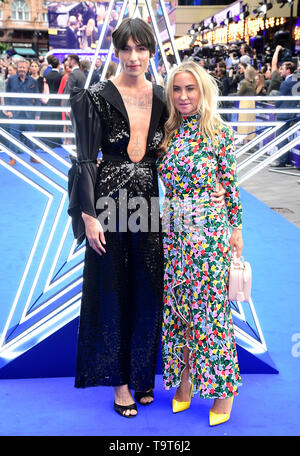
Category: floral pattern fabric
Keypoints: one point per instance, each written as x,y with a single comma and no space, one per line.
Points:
197,256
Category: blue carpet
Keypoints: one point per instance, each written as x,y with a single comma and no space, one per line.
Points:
267,404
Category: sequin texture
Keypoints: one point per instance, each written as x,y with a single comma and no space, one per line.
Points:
121,308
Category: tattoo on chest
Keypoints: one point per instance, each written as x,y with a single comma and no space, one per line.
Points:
143,102
139,111
137,149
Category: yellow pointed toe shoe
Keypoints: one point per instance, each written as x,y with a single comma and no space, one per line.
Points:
218,418
181,406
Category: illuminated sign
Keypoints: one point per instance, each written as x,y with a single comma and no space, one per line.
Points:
239,31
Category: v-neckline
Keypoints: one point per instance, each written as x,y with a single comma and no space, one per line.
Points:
127,119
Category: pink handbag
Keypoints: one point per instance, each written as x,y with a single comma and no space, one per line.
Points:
240,280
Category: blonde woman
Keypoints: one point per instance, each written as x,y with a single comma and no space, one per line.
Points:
247,88
261,86
90,35
199,352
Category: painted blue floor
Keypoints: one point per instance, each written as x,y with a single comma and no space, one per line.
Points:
267,405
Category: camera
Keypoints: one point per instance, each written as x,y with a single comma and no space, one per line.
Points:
216,52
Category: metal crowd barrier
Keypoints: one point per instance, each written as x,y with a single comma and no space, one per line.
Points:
264,137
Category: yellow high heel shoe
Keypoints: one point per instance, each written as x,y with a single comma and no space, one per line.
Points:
181,406
218,418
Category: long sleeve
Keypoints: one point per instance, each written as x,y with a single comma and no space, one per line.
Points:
30,85
82,175
286,90
243,89
227,176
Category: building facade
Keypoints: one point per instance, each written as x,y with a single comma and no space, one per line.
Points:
24,25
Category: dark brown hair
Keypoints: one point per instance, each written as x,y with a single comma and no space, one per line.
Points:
74,57
138,30
289,66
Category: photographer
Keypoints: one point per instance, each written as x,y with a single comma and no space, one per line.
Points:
236,76
224,86
231,60
222,78
245,50
276,77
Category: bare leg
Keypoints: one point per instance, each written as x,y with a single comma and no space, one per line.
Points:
222,406
184,390
123,397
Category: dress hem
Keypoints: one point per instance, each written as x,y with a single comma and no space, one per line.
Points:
206,396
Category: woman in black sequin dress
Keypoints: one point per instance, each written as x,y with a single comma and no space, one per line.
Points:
121,309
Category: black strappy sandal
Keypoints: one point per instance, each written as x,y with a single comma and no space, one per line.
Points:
121,409
138,395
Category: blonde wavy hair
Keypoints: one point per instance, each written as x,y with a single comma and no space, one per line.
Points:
250,73
209,118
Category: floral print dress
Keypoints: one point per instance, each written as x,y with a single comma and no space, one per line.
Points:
197,256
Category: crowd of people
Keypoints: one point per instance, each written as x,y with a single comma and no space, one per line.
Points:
39,68
263,77
44,76
239,72
84,29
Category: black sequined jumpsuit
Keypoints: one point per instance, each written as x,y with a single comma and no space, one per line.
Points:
121,308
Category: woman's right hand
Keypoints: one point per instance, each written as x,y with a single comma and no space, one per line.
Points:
94,233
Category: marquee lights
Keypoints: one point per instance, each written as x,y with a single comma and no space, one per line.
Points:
297,33
242,30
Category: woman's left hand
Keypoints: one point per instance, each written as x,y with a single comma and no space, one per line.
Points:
218,194
236,242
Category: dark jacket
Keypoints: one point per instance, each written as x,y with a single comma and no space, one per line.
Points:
224,85
53,79
286,89
76,79
72,40
101,121
30,85
275,82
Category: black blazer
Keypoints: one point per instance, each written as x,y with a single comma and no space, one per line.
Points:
101,122
72,41
286,89
77,79
53,79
